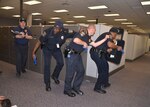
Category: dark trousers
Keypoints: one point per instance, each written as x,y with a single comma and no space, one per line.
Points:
103,69
21,57
57,54
74,67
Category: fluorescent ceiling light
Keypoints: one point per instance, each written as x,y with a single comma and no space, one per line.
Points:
51,22
98,7
7,7
83,24
70,21
36,14
32,2
61,11
37,19
55,18
131,25
65,24
127,23
102,23
79,16
111,15
91,20
16,15
120,19
145,3
147,12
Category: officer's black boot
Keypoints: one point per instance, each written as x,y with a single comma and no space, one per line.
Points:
69,93
48,87
55,79
0,72
101,90
24,71
18,74
106,86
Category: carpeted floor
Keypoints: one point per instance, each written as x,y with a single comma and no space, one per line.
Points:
130,88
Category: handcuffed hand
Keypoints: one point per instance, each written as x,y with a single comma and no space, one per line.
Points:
119,48
109,50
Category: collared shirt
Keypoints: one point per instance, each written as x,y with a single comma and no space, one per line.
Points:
22,41
78,47
104,45
54,41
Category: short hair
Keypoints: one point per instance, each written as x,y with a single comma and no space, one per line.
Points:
114,29
91,26
6,103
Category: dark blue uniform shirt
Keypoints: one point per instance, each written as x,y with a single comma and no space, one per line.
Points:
77,47
103,46
22,41
51,40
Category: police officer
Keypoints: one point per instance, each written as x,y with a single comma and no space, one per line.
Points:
51,41
98,55
22,35
74,62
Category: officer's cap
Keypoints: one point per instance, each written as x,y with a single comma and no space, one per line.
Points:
114,29
59,24
22,19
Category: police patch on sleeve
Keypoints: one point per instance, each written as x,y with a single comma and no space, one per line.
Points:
62,37
44,33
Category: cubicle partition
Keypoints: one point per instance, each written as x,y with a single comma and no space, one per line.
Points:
7,51
7,48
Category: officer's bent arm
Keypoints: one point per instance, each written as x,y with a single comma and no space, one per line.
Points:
28,37
79,41
96,44
19,36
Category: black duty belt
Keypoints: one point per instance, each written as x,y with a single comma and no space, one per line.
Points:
100,52
72,51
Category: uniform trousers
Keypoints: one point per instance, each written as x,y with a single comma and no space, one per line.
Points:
74,72
103,69
21,57
57,54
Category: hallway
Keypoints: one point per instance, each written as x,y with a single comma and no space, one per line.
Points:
130,87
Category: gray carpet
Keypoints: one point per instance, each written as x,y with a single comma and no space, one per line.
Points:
130,88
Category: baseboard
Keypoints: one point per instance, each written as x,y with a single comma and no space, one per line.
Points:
131,60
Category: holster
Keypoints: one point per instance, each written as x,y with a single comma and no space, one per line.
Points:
70,51
66,51
100,53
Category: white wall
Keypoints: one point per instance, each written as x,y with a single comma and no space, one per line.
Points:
136,46
148,45
91,69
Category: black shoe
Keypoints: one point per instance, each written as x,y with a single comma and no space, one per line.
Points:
70,94
18,74
55,80
48,87
106,85
79,92
100,91
24,71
